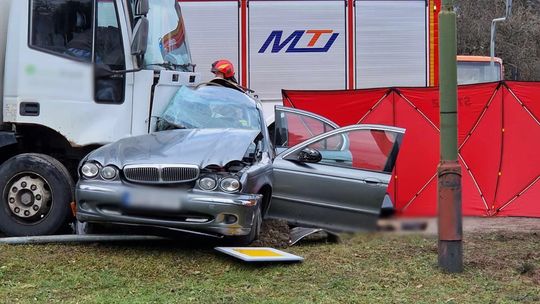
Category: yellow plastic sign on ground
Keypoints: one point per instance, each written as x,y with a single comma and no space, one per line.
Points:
259,254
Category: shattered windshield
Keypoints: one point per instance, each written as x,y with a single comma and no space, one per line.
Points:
211,107
167,42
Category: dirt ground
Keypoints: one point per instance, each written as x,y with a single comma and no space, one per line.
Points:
274,233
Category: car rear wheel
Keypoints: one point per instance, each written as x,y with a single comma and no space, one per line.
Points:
36,194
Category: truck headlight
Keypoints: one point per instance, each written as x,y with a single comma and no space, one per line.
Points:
90,170
108,172
207,183
229,184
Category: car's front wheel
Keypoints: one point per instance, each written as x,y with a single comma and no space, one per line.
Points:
36,194
255,232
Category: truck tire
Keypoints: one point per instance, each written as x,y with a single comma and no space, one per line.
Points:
36,193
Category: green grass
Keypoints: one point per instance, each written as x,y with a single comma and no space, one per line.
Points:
370,268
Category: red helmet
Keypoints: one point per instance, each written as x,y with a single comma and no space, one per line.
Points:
224,66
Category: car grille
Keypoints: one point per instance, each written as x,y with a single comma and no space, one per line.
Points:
155,174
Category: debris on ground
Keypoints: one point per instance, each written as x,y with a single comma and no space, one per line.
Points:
298,234
259,254
277,233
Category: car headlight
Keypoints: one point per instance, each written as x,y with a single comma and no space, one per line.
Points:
229,184
90,170
108,172
207,183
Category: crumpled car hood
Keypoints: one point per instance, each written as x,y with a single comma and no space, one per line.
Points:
201,147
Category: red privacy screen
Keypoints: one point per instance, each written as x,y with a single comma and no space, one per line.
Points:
498,138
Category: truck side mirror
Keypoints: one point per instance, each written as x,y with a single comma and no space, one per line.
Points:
140,37
141,8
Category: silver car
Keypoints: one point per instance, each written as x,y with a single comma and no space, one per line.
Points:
214,171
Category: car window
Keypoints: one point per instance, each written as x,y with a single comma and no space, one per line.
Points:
359,149
294,128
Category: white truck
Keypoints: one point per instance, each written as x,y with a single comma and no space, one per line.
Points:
74,75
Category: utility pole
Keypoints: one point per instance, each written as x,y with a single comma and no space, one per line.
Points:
449,171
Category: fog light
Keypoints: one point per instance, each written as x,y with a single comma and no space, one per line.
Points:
108,172
230,219
229,184
207,183
90,170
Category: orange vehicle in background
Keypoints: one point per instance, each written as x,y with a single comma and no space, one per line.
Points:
478,69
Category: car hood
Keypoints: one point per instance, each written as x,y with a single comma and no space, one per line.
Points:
201,147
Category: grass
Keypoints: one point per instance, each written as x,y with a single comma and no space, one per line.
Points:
369,268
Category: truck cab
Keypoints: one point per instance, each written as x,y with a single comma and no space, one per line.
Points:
478,69
74,75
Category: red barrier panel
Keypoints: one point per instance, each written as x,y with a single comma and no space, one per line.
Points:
498,137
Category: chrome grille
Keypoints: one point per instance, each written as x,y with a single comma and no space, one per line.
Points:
155,174
173,174
139,174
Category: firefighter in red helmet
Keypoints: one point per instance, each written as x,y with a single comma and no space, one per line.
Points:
224,69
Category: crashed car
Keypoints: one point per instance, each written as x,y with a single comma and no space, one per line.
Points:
216,171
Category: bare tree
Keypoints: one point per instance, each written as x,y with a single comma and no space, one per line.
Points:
517,39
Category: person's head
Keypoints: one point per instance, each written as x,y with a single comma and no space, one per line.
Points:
223,69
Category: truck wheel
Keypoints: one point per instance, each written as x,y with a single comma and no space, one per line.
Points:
36,194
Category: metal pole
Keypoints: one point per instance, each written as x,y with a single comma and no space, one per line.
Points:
449,170
492,41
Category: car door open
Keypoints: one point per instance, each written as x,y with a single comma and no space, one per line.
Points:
334,180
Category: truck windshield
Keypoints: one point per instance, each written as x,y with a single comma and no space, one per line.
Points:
469,72
167,42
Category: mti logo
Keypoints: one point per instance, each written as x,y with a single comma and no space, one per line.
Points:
295,37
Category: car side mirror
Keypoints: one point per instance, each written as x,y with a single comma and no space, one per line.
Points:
309,155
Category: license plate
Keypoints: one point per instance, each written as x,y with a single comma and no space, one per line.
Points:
155,200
